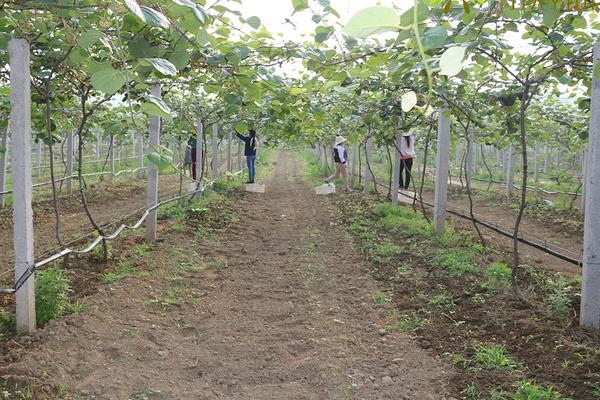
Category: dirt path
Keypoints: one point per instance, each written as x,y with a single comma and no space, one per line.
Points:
278,307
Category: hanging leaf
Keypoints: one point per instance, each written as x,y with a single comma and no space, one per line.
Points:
231,98
88,38
156,107
435,37
108,80
163,66
199,12
371,21
160,160
155,18
202,37
409,101
135,8
241,127
299,5
322,33
451,61
254,22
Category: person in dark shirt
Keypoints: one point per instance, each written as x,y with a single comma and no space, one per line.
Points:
192,148
250,147
340,157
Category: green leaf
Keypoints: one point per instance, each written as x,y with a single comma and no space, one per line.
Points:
322,33
406,19
147,14
108,80
254,22
160,160
155,18
241,127
451,61
90,37
299,5
435,37
157,107
202,37
371,21
597,72
199,12
163,66
409,101
231,98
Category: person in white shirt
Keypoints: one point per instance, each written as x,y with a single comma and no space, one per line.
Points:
407,153
340,157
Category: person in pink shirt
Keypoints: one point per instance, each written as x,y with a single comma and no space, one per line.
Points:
407,153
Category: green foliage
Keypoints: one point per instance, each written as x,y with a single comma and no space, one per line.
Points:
380,297
411,323
457,261
384,253
51,294
498,275
526,390
122,270
8,322
557,294
403,219
494,357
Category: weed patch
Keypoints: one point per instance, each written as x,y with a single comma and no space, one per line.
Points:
51,294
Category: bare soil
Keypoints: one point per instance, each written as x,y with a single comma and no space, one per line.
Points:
264,297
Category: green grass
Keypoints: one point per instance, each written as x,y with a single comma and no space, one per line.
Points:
8,322
122,270
141,249
457,261
557,293
494,357
381,297
51,294
384,253
410,323
442,300
401,218
527,390
498,275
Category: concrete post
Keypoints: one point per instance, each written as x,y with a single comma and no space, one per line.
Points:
111,160
3,162
510,167
38,157
590,284
536,156
152,190
69,171
98,145
441,172
215,151
545,159
20,117
470,160
353,159
396,168
229,138
199,141
368,159
239,156
140,172
584,174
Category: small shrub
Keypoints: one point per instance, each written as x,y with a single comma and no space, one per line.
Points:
123,269
458,261
531,391
381,297
442,300
498,275
460,361
410,323
8,322
494,357
557,296
385,252
51,294
471,392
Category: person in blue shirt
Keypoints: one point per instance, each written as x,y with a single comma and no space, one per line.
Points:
251,145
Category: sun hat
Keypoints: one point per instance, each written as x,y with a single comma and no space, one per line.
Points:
339,140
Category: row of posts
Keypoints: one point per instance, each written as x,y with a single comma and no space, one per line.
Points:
21,144
20,118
